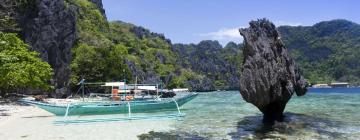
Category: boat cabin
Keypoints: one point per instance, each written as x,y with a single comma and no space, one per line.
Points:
339,85
122,91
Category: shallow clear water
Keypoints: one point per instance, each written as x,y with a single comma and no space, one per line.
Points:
321,114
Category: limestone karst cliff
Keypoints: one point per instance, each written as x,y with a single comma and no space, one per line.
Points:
51,30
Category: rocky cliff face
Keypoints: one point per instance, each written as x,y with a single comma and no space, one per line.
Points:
269,76
219,64
49,28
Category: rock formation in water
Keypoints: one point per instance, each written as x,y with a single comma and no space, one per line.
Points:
269,76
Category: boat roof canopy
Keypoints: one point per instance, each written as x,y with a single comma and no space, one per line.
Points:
112,84
180,89
146,87
123,86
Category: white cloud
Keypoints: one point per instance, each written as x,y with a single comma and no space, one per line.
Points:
224,35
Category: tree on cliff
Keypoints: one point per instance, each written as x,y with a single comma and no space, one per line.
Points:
19,67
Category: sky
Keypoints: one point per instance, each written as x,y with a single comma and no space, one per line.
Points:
190,21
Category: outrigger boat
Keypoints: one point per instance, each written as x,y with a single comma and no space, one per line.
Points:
134,99
96,108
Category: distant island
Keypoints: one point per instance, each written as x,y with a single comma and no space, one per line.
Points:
89,46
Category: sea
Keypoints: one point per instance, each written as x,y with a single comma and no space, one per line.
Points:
323,113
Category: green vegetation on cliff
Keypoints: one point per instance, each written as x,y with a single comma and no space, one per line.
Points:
327,51
112,51
117,50
19,67
219,65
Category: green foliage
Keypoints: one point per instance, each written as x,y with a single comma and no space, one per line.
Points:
220,84
19,67
88,63
96,58
92,26
180,81
99,64
148,51
116,68
222,65
165,69
327,51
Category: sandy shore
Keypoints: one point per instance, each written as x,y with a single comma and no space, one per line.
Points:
32,123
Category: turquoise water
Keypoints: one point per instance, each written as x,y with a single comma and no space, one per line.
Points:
321,114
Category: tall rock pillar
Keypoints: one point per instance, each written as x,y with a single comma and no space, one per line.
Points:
269,76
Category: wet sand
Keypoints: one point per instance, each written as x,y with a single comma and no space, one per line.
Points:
32,123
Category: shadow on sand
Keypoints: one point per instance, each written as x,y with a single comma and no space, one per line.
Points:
4,114
6,103
294,125
42,116
13,100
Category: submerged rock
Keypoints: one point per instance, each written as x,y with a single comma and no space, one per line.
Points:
172,135
269,76
293,126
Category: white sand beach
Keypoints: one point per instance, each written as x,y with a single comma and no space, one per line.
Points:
32,123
